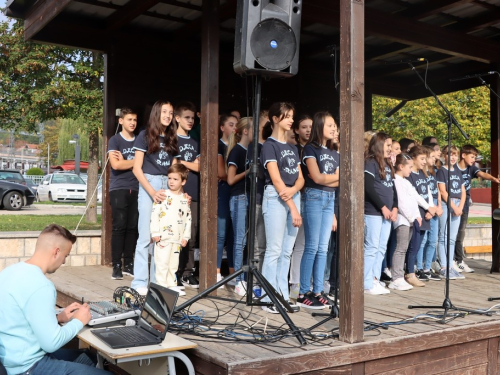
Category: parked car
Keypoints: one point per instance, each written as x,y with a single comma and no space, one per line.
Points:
15,196
31,185
62,187
11,175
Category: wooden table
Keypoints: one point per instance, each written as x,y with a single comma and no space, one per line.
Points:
142,355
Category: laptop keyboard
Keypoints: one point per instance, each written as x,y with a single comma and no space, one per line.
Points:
131,335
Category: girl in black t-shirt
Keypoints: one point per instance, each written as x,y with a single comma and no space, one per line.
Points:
380,209
237,169
281,202
155,150
224,227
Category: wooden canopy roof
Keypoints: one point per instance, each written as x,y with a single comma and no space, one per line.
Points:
457,37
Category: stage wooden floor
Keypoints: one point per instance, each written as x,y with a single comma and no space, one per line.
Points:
467,345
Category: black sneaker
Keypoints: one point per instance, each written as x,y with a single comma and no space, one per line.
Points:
190,281
385,278
128,269
311,302
421,275
432,276
117,272
324,299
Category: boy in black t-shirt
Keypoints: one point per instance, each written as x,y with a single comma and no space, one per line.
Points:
123,193
468,154
189,156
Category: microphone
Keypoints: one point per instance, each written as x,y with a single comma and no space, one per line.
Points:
473,76
420,59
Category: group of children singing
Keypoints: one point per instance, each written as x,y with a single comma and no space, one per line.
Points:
406,211
156,175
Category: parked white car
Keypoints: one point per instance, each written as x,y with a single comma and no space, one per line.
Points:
62,187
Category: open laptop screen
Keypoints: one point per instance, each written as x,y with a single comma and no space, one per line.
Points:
158,309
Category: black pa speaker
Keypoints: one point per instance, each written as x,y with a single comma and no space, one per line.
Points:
267,37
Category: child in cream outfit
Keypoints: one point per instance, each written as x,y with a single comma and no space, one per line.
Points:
171,228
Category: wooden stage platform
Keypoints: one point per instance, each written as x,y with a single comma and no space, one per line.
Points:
468,345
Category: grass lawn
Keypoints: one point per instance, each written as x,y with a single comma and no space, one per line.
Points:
17,223
479,220
65,203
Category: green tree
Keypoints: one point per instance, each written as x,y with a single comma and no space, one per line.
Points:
66,151
42,82
34,172
421,118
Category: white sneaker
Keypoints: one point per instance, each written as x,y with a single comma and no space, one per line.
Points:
387,271
232,282
436,267
142,290
381,286
326,286
400,284
178,290
294,291
219,278
455,267
464,267
241,288
374,290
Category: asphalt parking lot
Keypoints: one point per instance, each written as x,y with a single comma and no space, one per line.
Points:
49,209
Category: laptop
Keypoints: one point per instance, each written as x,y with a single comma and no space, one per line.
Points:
153,322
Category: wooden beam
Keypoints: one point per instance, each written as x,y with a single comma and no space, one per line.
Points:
486,19
109,119
382,53
352,98
495,169
42,12
182,5
127,13
208,163
408,31
430,8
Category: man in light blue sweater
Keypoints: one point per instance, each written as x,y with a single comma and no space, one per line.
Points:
30,335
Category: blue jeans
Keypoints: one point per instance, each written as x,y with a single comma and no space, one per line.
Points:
224,227
317,220
65,362
280,237
238,205
377,230
427,251
144,246
442,237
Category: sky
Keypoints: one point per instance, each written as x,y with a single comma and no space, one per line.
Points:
2,5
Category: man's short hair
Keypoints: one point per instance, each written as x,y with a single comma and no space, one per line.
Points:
179,168
126,111
184,106
468,149
59,231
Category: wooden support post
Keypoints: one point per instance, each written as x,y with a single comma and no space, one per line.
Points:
209,139
107,132
352,192
495,161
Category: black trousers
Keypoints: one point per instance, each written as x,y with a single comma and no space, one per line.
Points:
125,216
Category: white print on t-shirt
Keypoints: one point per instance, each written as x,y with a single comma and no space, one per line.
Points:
187,156
163,159
388,178
455,184
424,189
187,146
329,167
131,153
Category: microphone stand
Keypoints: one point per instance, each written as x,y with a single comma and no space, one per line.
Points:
251,269
447,304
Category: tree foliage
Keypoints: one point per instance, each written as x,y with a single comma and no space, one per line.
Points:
34,172
421,118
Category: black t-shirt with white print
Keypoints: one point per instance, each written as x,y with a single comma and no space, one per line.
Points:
432,185
456,181
419,182
285,156
468,174
189,150
157,163
238,158
221,151
122,179
326,159
383,187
